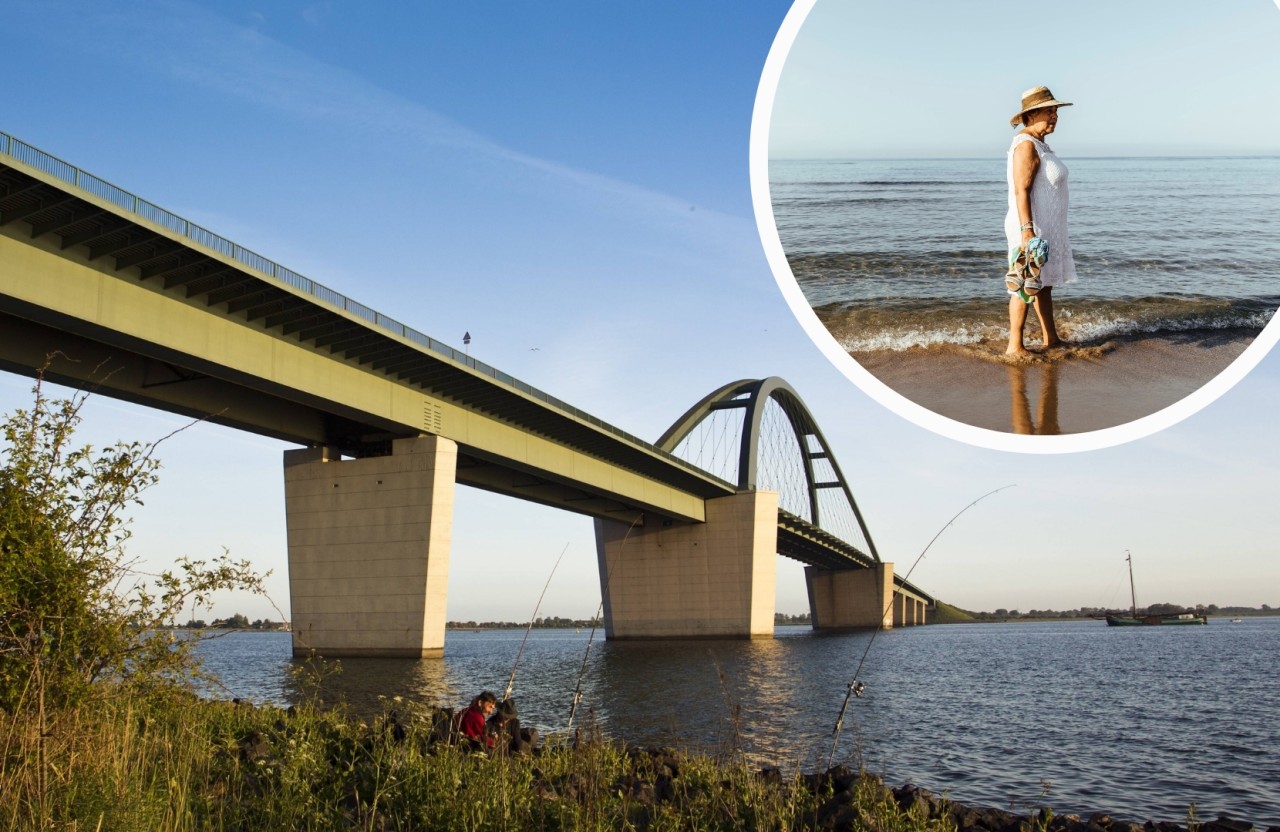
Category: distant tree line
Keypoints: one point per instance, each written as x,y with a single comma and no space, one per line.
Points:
558,623
235,622
1003,614
547,623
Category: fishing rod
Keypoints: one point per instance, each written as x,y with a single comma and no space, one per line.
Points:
856,687
577,690
595,622
511,681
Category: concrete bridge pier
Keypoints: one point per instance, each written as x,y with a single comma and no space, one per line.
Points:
849,599
908,611
369,549
692,580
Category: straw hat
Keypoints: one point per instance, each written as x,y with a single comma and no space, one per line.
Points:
1036,98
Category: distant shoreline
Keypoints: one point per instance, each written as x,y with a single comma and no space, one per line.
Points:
1045,619
989,618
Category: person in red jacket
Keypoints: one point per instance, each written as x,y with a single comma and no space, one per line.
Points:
471,725
505,728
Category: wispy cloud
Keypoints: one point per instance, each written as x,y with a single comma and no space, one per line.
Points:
239,60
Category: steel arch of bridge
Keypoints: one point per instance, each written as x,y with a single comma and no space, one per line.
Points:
753,395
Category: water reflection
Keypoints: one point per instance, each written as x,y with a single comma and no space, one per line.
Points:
1045,422
474,661
768,698
363,683
721,691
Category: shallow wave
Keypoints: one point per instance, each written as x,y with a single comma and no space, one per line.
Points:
917,339
1121,327
895,326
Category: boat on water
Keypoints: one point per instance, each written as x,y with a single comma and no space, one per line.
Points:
1153,620
1149,620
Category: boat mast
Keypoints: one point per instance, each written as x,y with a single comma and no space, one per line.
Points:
1133,596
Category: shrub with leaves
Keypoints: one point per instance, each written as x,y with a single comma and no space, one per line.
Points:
73,610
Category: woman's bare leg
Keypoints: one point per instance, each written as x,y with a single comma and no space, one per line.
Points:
1017,319
1044,311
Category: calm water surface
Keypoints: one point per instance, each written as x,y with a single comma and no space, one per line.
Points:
896,254
1138,722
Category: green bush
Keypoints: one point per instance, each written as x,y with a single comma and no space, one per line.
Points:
72,609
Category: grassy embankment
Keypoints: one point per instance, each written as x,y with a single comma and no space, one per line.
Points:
178,763
947,614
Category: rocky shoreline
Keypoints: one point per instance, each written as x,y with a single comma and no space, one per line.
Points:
841,814
655,779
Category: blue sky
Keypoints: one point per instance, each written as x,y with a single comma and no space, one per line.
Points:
571,186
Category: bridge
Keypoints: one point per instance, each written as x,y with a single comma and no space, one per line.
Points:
101,288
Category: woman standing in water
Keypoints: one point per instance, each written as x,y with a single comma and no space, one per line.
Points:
1037,208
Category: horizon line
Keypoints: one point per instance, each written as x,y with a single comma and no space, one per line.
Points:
1002,155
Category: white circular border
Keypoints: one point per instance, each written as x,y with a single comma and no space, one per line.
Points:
886,395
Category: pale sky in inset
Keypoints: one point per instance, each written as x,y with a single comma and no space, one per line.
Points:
925,79
570,185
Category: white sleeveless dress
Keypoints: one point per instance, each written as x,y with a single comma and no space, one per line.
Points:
1048,212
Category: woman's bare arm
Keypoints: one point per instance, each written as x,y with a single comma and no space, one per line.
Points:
1025,163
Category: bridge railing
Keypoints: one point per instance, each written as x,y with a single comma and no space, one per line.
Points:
72,175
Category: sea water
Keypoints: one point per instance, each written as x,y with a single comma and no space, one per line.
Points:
1138,722
895,254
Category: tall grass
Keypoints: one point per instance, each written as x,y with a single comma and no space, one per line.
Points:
175,762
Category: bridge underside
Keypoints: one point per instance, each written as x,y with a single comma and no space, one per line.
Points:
183,385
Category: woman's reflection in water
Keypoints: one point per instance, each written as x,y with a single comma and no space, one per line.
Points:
1046,421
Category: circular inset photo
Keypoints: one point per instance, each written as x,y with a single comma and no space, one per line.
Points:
1030,234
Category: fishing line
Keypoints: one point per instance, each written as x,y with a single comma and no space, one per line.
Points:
856,687
511,681
1115,589
577,690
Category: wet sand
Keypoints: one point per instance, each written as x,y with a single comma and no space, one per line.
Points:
1072,390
